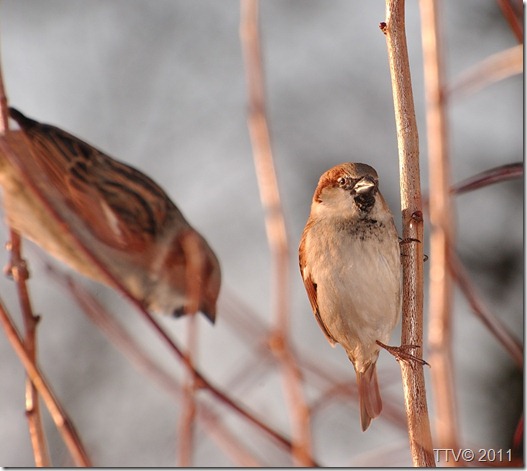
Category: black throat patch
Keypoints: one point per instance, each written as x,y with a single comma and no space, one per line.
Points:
365,202
363,229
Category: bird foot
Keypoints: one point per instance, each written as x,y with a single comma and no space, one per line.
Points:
402,354
407,240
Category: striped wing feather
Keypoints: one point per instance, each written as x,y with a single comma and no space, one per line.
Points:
123,207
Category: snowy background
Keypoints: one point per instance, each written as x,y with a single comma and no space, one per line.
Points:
161,86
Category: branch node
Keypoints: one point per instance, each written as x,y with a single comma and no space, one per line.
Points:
417,216
277,343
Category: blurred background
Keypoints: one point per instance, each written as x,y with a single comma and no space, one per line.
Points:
161,86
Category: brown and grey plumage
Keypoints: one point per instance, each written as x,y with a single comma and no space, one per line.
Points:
117,212
350,263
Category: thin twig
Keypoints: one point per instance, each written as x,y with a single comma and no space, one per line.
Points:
188,404
204,382
17,269
296,402
441,232
276,232
494,68
412,219
117,334
59,415
80,239
494,175
514,16
227,442
495,326
499,174
126,344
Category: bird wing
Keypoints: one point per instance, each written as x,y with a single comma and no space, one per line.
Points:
122,207
311,289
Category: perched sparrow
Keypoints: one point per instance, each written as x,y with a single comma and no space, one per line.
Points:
351,267
119,214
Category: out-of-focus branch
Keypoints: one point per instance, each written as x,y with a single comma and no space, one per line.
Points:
513,12
204,383
441,232
264,162
494,68
63,423
125,343
495,326
185,437
226,441
62,216
412,218
494,175
276,232
502,173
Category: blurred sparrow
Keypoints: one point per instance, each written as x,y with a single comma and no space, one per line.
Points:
119,214
351,267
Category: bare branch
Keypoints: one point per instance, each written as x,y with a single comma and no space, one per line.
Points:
125,343
185,437
411,206
264,162
55,208
17,269
63,423
513,12
276,231
442,232
494,68
502,334
225,439
498,174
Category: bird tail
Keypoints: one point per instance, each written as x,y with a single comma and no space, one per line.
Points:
369,395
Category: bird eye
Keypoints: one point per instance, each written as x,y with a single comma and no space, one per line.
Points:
341,181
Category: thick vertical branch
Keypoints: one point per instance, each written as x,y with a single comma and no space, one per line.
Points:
442,232
276,231
411,205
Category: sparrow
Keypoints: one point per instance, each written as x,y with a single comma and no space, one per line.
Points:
350,262
119,214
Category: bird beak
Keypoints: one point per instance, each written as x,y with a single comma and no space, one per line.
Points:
364,185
